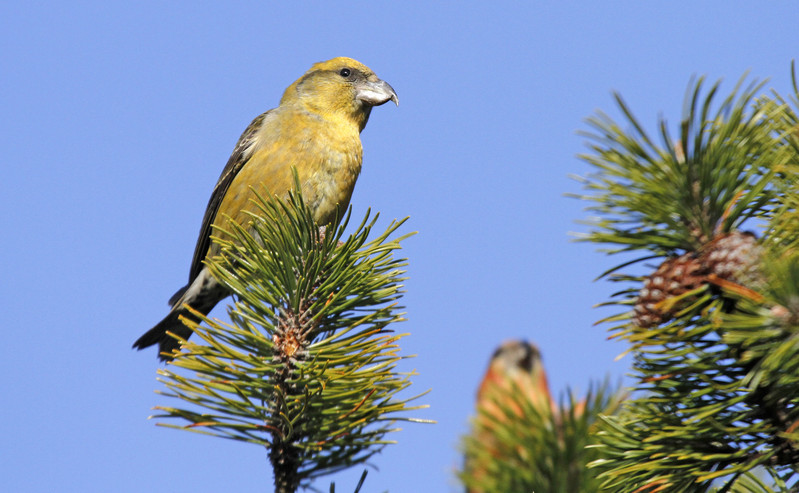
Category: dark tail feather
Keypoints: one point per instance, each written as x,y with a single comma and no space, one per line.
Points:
202,294
178,294
158,334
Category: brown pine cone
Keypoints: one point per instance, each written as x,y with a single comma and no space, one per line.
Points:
674,277
733,257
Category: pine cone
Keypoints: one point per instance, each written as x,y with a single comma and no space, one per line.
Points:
674,277
734,257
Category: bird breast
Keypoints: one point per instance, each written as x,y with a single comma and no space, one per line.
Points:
326,154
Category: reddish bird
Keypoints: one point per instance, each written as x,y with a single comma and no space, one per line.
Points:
515,367
515,375
315,130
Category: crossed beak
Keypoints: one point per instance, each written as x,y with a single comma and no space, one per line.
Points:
375,93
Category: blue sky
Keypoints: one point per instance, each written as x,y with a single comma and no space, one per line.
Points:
117,119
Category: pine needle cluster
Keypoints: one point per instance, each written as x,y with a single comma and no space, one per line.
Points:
711,296
307,366
528,447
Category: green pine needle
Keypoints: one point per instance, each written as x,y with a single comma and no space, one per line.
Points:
307,366
717,401
527,447
677,195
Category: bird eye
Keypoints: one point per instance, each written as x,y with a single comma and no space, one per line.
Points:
345,72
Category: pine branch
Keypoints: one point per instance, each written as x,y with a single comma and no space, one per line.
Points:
307,366
675,197
713,327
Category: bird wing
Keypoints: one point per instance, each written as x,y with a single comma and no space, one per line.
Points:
237,160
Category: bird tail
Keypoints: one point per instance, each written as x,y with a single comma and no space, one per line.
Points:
202,295
158,334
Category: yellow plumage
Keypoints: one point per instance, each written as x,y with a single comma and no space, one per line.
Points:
315,130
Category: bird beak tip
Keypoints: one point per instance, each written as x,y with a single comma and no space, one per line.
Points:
377,93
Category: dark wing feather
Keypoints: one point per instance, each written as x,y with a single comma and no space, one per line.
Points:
233,166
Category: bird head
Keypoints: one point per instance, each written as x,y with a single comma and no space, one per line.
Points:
516,367
513,356
341,88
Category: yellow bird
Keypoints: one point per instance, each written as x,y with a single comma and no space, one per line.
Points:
315,129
